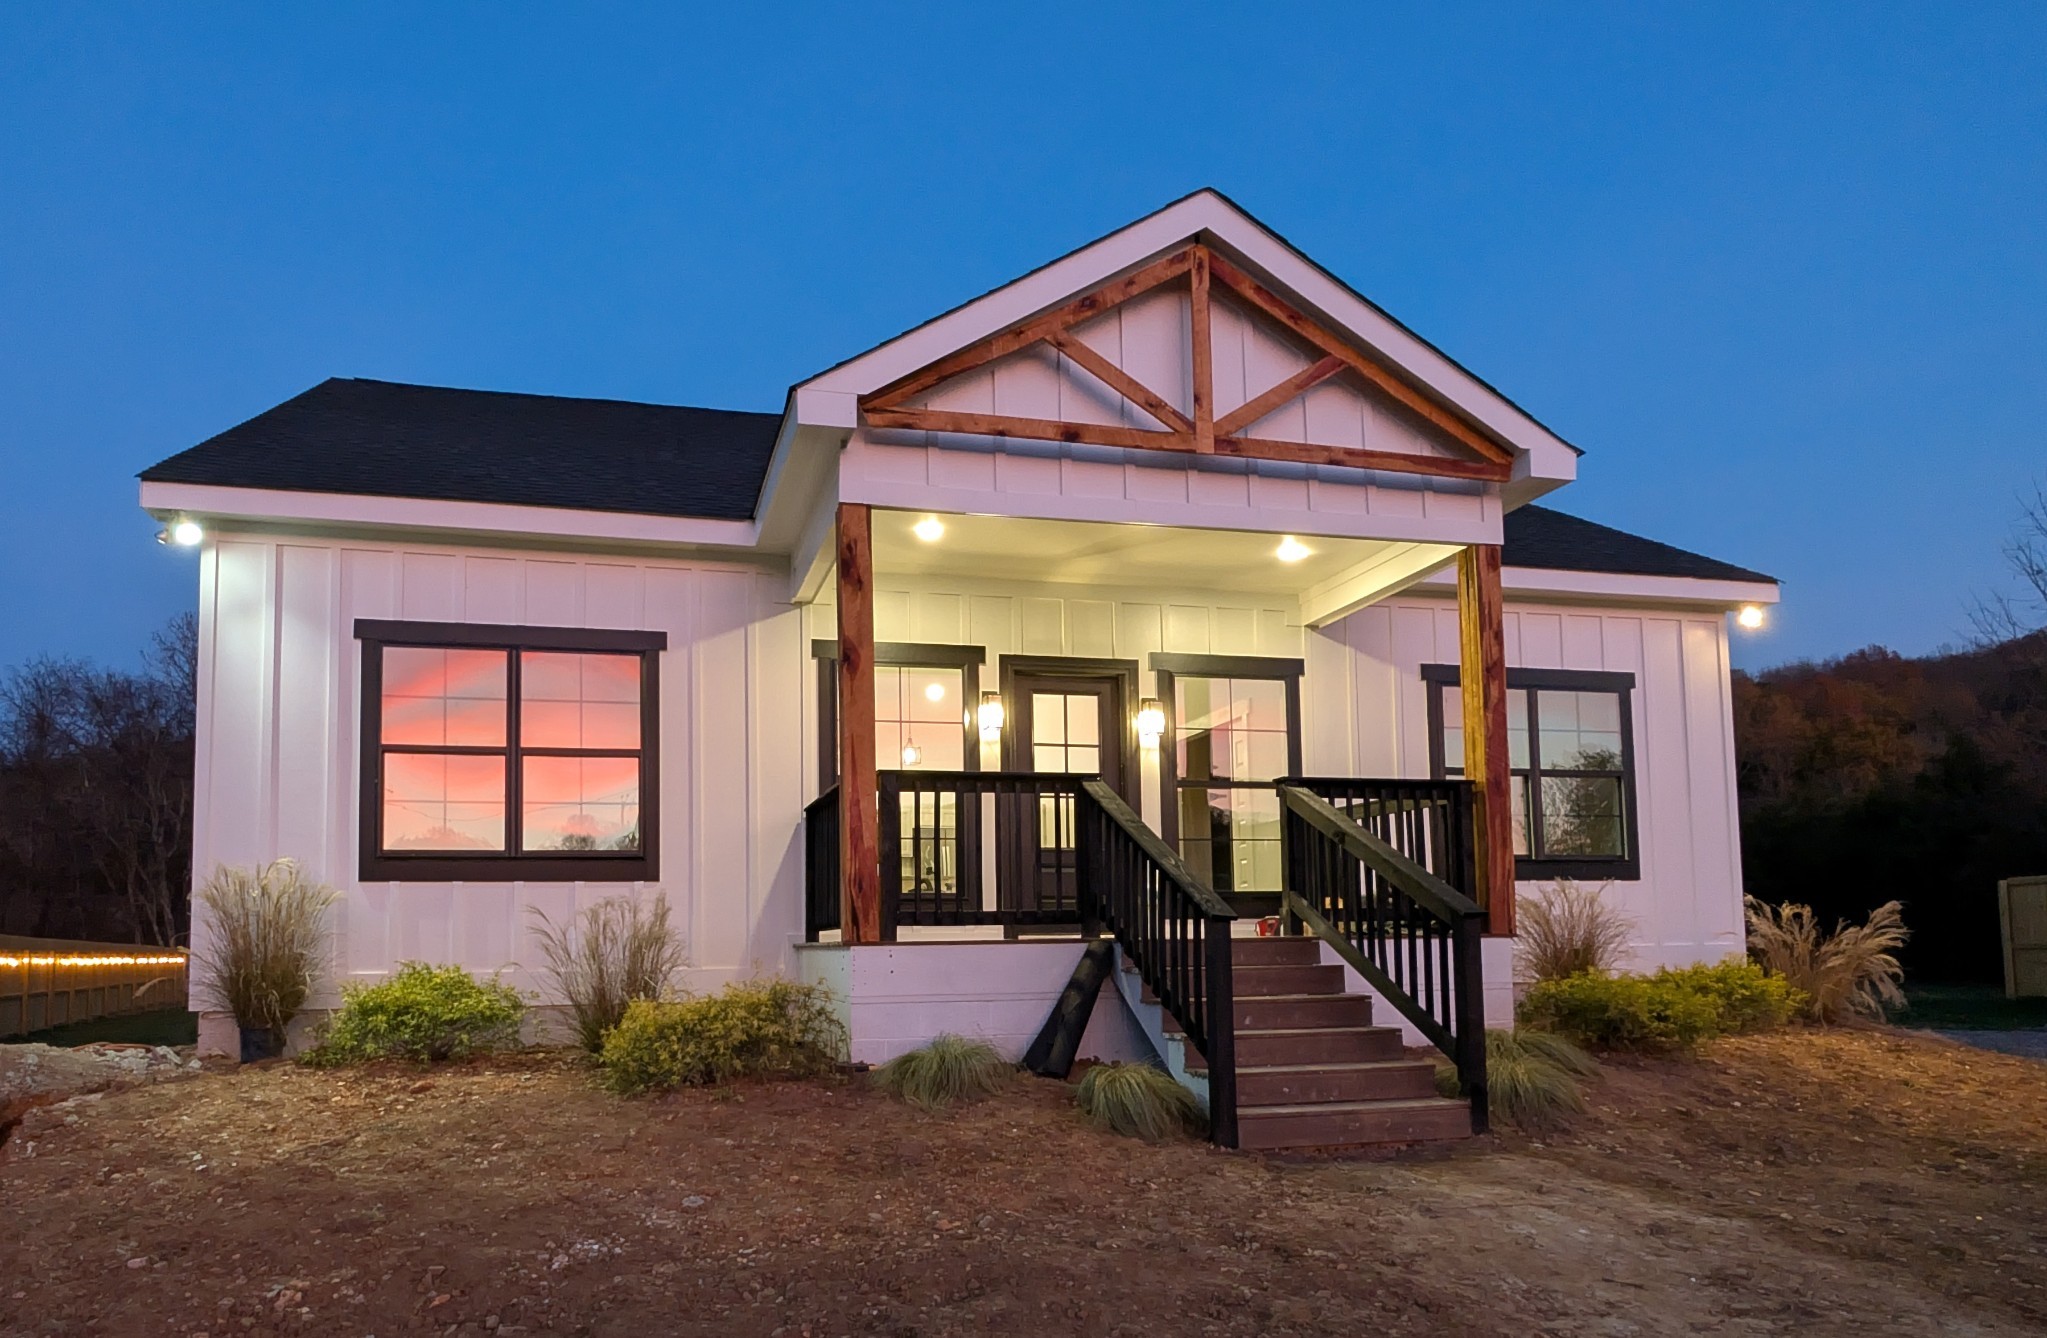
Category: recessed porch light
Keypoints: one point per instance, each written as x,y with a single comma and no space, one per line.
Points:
1749,617
1292,550
928,529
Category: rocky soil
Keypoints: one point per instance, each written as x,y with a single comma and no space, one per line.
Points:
1824,1183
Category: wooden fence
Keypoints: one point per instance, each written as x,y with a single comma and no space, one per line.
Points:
2022,904
47,982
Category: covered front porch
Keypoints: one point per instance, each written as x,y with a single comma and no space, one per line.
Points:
995,786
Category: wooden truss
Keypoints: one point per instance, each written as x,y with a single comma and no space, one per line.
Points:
1204,433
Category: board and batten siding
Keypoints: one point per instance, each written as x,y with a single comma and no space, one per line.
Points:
1367,710
280,729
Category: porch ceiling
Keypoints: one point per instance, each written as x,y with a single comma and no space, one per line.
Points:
1018,548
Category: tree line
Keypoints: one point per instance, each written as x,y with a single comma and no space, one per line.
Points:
1875,776
96,795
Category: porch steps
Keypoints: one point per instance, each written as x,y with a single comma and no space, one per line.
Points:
1312,1070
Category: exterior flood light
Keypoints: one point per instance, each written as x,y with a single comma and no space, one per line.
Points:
990,717
183,533
1749,617
1151,722
928,529
1292,550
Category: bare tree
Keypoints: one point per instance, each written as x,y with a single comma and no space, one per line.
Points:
2000,617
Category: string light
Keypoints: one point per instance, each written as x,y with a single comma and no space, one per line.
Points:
11,960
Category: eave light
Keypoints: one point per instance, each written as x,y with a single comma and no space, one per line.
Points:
1749,617
1151,722
991,717
930,529
1292,550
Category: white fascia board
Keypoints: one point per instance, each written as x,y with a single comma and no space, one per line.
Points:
915,495
832,395
1598,587
1371,581
205,502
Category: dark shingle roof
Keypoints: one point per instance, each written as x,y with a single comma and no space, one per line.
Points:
387,439
1539,537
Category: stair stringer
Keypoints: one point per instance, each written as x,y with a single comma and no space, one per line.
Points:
1170,1047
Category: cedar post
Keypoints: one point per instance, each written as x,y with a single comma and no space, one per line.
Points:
859,851
1482,675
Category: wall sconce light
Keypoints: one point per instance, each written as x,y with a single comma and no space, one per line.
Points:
990,717
1749,617
1151,722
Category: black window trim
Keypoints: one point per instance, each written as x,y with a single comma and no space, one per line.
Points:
1625,868
895,655
375,864
1169,667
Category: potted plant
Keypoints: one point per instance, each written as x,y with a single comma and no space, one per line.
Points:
265,947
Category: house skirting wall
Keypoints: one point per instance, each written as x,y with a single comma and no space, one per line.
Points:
894,997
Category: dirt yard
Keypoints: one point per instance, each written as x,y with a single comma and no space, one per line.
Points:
1846,1183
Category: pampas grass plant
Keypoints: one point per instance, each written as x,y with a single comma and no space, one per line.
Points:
949,1069
1565,928
266,942
1138,1101
1849,973
1532,1078
616,951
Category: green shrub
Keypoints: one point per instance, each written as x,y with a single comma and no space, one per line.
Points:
423,1013
1138,1101
769,1028
601,960
1670,1010
951,1068
1531,1078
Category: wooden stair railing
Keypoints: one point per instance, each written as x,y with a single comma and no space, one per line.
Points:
1175,931
1411,935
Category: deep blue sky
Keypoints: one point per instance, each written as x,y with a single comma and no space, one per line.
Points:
1783,276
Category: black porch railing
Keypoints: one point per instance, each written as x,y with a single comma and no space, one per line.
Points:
1407,931
978,848
821,865
1429,821
1173,929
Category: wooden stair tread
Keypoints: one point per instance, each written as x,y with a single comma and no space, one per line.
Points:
1401,1103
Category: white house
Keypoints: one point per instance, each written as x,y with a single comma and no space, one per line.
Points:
1166,587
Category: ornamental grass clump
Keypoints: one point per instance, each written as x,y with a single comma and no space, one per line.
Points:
422,1013
750,1029
1139,1101
1565,928
1532,1078
1852,972
612,954
265,943
950,1069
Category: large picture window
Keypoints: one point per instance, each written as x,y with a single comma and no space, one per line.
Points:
1235,731
1571,753
496,752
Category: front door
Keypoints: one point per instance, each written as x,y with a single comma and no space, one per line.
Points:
1072,717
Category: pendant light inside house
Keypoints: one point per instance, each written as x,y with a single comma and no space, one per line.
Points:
912,754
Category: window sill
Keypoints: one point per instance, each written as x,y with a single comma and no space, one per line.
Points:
508,869
1528,870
